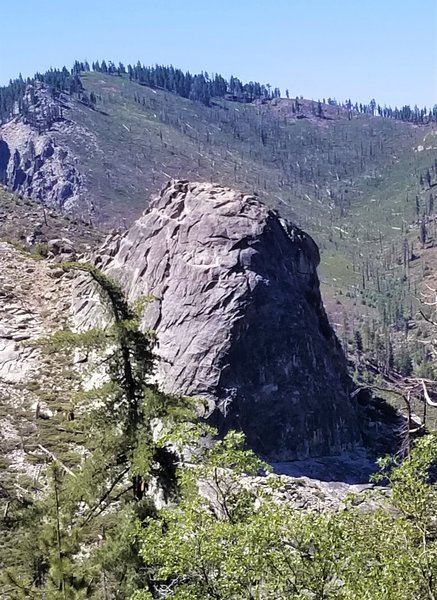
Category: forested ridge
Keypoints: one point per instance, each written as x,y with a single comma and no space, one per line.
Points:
200,87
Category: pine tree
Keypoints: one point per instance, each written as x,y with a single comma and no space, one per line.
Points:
94,507
358,341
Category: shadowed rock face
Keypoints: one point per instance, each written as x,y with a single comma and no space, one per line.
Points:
4,159
239,318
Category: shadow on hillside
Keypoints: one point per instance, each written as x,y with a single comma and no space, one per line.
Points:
353,468
381,430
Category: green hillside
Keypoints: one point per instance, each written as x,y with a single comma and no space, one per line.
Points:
352,180
349,180
311,168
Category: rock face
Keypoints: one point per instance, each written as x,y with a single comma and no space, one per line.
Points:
239,318
34,163
34,302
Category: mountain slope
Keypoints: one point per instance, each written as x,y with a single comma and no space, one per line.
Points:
349,179
137,138
148,136
27,224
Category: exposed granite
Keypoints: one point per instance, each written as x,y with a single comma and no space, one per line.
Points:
238,316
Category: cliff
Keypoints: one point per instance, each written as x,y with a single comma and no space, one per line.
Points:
34,161
238,316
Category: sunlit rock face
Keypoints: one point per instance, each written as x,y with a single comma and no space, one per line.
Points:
239,318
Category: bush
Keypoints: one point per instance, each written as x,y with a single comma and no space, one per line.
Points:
42,250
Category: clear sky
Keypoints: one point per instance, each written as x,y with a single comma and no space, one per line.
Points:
385,49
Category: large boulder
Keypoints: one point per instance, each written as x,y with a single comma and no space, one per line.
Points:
61,249
239,318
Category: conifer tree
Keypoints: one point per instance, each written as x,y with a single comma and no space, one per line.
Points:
93,508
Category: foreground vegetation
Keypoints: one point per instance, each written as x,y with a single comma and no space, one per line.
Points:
255,548
127,512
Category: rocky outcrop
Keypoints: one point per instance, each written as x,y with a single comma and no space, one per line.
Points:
238,316
35,301
29,224
61,250
33,160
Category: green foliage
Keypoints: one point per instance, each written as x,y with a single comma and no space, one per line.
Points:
403,362
41,249
140,303
262,549
93,531
66,340
81,530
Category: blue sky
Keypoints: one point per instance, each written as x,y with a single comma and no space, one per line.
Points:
315,48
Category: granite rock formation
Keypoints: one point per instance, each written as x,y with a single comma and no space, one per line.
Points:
35,162
238,316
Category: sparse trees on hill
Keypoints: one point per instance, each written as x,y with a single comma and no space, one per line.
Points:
200,88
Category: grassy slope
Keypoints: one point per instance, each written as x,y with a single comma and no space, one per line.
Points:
137,146
350,183
20,217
